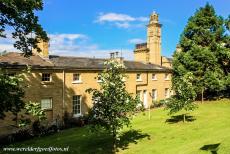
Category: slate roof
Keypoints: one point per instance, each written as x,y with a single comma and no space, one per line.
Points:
169,59
14,59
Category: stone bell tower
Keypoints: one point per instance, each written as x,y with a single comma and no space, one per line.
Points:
154,39
150,52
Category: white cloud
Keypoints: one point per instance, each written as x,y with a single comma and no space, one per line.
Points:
66,39
71,45
143,19
7,47
7,43
121,20
67,45
97,53
136,41
110,17
122,25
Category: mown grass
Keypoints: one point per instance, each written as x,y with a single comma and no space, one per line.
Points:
206,131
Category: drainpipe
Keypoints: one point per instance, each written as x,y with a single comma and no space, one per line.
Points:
63,94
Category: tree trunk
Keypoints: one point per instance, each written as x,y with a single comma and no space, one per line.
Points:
114,141
149,113
114,145
202,95
16,119
184,118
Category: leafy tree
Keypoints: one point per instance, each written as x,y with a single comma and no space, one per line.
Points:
11,92
202,63
185,96
34,110
112,104
19,15
205,53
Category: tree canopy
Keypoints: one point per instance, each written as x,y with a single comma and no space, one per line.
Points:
11,92
112,104
19,16
205,53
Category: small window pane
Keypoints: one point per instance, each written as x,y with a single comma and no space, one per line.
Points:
154,94
167,92
138,76
46,103
166,76
154,77
99,77
76,77
46,77
139,94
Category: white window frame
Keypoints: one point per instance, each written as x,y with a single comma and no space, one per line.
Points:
166,76
138,77
50,77
50,106
167,93
99,77
124,79
138,94
80,103
79,80
155,76
154,93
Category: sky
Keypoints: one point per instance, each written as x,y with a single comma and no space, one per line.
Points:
94,28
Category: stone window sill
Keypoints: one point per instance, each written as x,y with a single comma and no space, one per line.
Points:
47,82
76,82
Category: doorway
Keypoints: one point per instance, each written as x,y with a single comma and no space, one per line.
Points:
145,100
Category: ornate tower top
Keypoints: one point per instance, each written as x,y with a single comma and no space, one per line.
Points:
153,18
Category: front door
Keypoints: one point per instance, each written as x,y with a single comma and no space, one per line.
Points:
145,100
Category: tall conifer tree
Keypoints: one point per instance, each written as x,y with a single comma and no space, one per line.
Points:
205,53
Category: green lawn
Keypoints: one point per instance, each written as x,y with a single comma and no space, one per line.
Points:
208,128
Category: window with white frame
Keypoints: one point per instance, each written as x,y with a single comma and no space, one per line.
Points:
99,77
154,94
123,79
154,76
138,94
166,76
77,77
167,92
46,77
138,77
77,105
46,103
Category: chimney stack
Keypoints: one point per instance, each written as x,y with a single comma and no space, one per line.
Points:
44,47
115,56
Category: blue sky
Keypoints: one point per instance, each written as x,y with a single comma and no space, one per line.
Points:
97,27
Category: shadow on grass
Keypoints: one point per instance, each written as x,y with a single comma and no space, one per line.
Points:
180,118
213,148
131,136
101,142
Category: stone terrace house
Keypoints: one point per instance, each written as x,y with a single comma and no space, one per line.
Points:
59,82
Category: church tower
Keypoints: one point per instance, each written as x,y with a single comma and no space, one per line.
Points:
150,52
154,39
